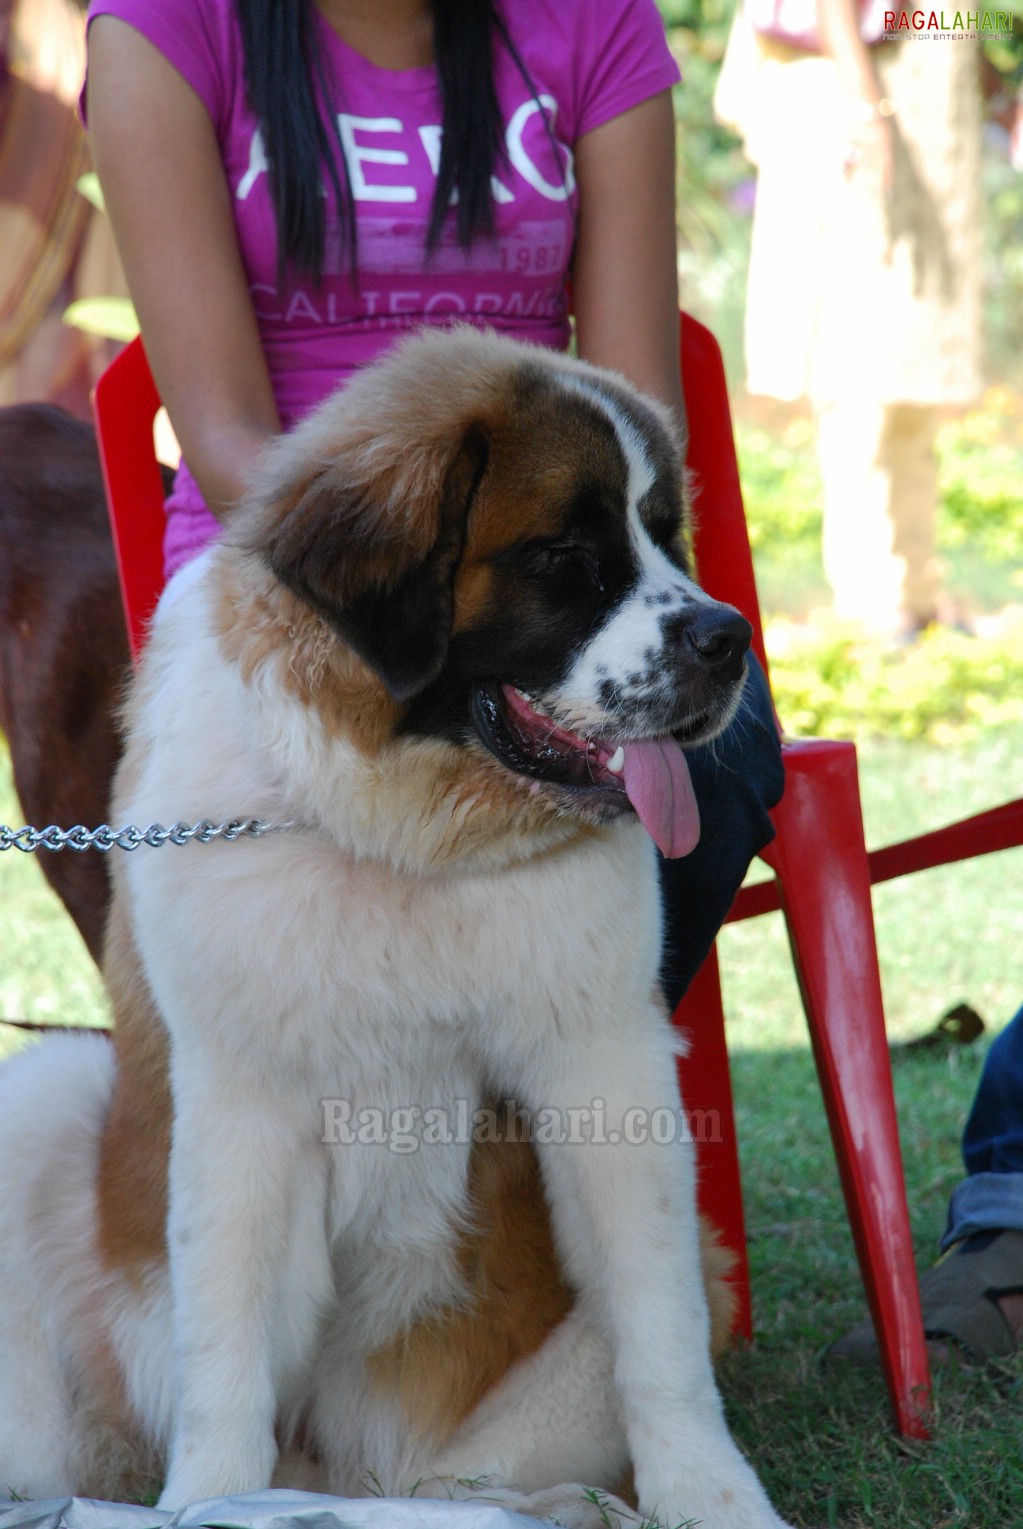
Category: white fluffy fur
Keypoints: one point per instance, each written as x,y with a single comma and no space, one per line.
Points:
332,960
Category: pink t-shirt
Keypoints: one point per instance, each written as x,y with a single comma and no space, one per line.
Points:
589,60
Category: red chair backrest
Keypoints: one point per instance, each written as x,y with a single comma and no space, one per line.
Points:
125,406
721,542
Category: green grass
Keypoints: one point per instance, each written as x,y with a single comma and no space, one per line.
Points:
820,1433
46,974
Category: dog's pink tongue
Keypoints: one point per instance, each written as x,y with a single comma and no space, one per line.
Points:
657,783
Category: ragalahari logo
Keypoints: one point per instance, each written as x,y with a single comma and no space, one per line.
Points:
946,25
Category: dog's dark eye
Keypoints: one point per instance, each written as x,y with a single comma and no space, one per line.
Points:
561,558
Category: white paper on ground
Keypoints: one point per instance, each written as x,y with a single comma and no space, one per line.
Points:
265,1510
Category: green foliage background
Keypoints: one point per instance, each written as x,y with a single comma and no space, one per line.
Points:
828,678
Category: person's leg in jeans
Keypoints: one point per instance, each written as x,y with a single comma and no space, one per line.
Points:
990,1198
974,1293
985,1213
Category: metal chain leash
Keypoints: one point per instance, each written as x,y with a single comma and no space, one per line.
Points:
105,838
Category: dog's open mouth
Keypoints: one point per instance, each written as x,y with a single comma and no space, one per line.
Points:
651,774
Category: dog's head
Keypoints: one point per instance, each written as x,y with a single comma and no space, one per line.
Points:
497,534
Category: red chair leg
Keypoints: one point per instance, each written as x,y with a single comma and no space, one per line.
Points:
820,858
706,1089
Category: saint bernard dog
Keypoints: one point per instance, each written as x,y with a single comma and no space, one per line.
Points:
450,649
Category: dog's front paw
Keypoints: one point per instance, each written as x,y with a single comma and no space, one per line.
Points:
712,1497
577,1507
217,1470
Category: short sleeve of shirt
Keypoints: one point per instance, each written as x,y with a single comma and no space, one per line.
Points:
198,37
622,59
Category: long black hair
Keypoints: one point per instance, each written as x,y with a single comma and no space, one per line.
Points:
286,82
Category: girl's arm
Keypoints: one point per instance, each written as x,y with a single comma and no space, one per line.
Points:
159,163
625,270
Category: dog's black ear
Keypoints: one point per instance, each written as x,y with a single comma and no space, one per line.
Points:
376,553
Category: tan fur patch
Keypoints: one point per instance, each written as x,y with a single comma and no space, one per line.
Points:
717,1263
516,1295
259,622
135,1149
539,456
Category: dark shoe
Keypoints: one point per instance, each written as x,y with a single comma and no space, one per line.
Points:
959,1300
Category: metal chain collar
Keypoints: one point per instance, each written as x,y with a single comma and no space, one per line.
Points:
105,838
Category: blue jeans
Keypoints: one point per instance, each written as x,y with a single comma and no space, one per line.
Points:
737,779
990,1198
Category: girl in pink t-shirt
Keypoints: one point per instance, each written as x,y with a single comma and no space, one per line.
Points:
557,111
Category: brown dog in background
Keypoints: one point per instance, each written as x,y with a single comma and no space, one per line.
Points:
63,644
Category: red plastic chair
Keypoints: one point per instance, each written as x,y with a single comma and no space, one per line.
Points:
822,870
822,883
125,405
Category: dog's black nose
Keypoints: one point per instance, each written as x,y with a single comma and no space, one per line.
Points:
718,635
